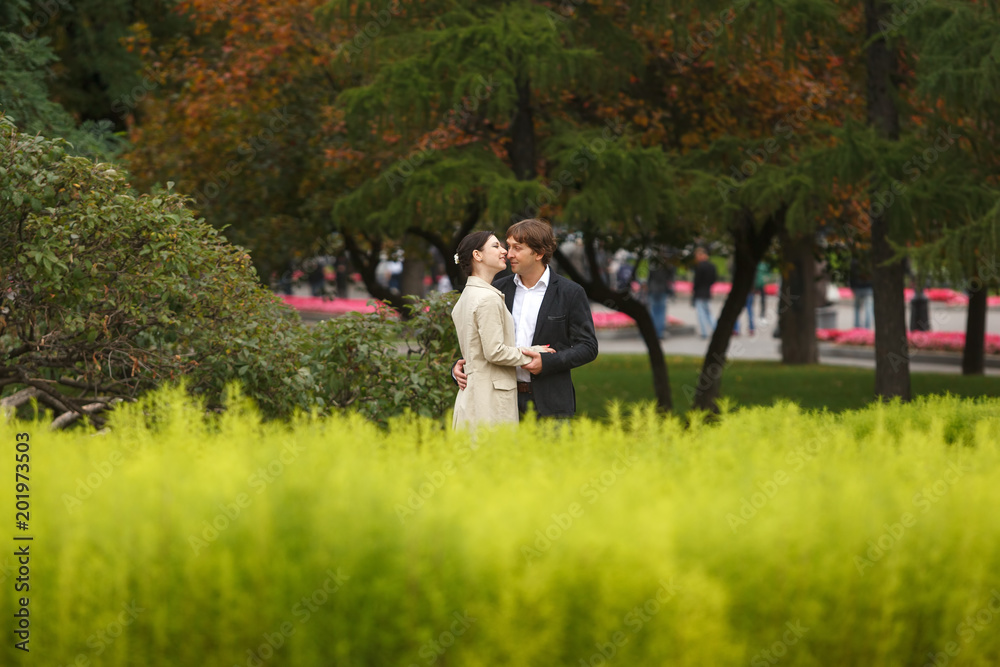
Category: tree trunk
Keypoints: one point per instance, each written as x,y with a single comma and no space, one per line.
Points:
750,246
414,272
447,247
892,360
797,300
365,263
598,291
974,353
521,150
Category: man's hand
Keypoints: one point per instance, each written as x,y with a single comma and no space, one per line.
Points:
461,378
535,365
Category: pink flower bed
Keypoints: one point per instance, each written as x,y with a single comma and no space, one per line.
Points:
941,341
615,320
943,295
602,319
318,304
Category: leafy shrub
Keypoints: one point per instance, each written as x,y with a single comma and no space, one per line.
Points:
105,294
860,538
359,362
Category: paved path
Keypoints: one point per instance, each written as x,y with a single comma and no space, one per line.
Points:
684,341
763,345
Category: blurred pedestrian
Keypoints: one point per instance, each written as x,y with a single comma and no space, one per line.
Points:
660,287
705,275
342,275
864,294
760,286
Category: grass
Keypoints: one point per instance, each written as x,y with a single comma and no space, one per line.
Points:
627,378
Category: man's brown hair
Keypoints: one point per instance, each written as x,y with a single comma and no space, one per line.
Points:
537,235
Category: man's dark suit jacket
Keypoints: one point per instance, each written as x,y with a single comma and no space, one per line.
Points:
565,324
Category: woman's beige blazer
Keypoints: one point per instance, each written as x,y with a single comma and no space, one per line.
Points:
486,336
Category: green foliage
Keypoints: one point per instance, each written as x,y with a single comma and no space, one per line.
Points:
106,293
429,69
382,365
330,542
959,47
24,96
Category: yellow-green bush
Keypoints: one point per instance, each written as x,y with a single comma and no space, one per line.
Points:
773,536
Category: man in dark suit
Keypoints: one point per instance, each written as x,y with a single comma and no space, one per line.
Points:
547,310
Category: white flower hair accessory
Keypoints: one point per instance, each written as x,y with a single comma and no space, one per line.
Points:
456,258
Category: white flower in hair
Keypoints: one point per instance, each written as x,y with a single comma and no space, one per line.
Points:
456,258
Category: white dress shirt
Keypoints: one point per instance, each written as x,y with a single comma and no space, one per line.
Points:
527,302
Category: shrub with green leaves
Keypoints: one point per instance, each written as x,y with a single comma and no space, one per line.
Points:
858,538
105,293
382,365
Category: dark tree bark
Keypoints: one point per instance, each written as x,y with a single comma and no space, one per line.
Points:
447,247
974,353
892,361
521,150
797,300
750,244
412,281
597,290
365,263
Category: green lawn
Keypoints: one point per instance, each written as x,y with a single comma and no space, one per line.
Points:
627,378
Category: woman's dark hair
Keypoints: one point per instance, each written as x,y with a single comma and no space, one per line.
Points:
474,241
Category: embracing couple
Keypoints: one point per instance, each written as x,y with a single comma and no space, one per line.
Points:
520,335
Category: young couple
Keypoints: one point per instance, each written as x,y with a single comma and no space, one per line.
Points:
520,335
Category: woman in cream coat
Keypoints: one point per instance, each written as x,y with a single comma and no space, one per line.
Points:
486,335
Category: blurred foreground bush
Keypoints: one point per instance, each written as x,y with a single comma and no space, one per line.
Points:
862,538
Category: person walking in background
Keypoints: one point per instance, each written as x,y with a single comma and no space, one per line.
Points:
486,336
760,286
547,310
660,286
342,275
864,294
705,275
